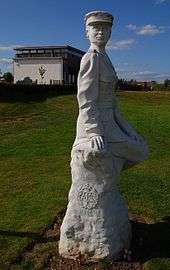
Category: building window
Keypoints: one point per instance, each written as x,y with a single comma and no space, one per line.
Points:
73,78
48,51
65,77
69,79
56,82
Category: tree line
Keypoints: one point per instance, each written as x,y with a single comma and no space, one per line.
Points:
122,84
133,85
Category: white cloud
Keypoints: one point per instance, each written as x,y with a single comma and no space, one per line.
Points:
140,71
160,1
148,29
132,27
151,76
5,61
151,30
126,64
119,69
8,48
142,75
120,44
5,65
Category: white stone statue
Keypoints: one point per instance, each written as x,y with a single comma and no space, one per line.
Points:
96,225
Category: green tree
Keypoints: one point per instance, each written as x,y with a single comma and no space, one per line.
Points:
166,83
8,77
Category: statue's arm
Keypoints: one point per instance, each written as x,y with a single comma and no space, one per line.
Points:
88,89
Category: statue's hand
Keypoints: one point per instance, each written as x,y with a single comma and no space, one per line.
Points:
98,149
97,144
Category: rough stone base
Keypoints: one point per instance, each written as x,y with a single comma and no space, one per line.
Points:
96,225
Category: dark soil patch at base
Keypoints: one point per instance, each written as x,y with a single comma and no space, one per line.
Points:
98,266
149,240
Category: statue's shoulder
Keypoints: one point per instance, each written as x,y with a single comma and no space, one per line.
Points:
89,57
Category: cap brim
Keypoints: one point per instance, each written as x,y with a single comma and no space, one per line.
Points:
98,21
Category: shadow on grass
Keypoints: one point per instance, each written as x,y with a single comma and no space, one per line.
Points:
151,240
34,236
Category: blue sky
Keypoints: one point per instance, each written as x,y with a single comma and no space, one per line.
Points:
139,47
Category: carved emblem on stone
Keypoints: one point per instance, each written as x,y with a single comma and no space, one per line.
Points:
88,196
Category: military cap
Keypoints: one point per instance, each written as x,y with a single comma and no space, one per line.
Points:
98,16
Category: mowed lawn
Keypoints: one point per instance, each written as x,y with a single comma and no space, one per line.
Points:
35,144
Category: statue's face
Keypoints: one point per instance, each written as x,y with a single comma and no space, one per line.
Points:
98,33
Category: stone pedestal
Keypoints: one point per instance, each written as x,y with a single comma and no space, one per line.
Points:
96,224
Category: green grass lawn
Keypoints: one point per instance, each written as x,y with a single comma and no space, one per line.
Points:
35,144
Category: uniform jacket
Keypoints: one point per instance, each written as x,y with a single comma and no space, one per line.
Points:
98,112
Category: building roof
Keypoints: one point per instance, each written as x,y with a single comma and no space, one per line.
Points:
70,48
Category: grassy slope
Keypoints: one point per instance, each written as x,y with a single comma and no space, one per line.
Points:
35,143
146,186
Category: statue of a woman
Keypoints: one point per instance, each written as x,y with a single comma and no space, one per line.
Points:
96,225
